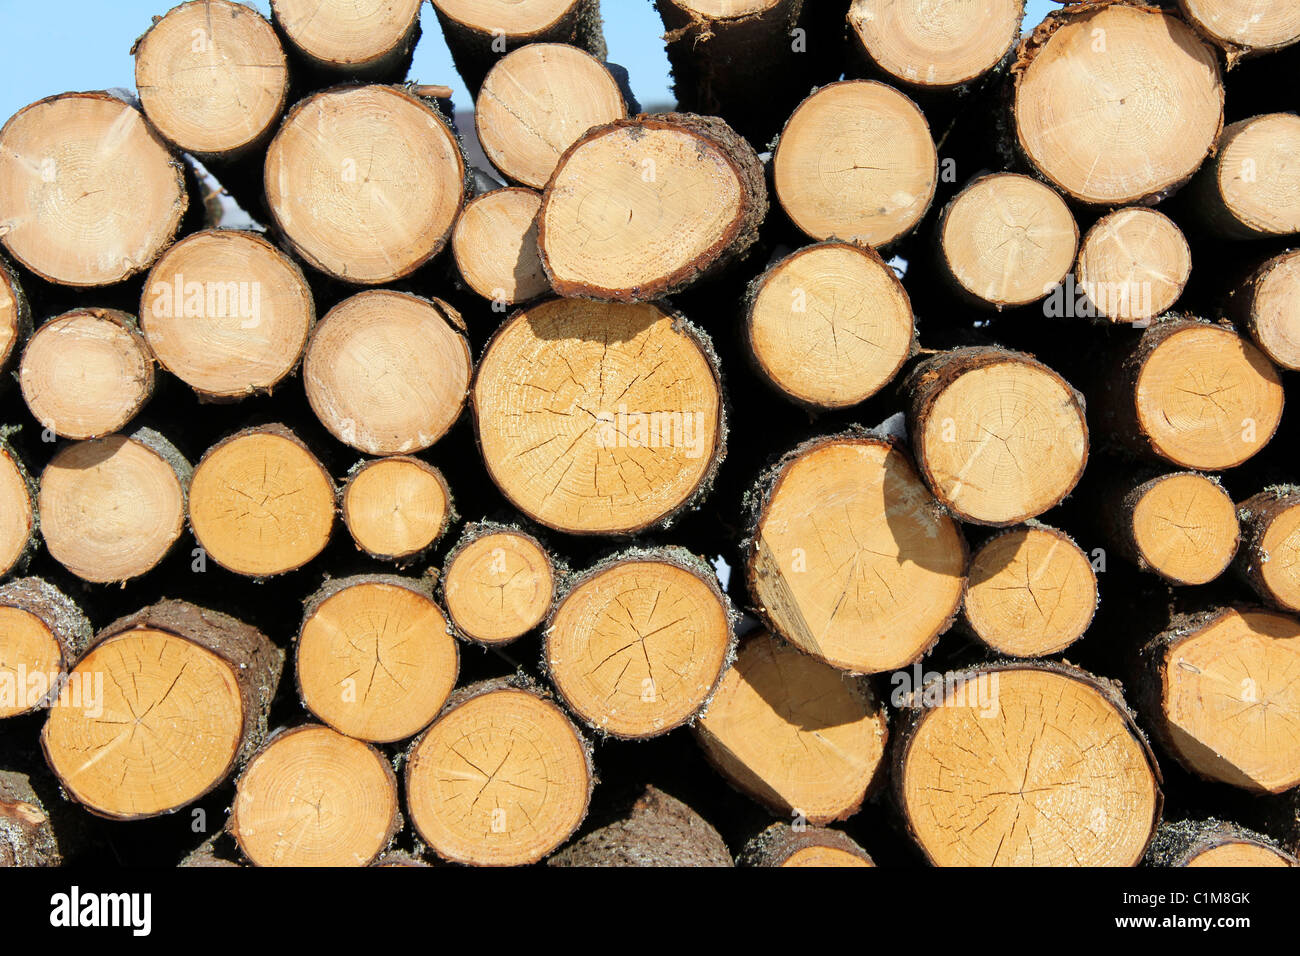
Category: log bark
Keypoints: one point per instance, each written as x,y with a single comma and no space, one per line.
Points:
783,845
479,34
1207,685
1214,843
498,583
639,644
1266,560
1030,592
1190,393
27,836
999,437
201,685
227,313
260,503
880,174
374,659
388,372
794,734
42,634
871,588
133,198
1180,525
654,830
645,207
979,754
365,182
502,778
396,508
619,450
313,797
112,508
838,288
87,373
1062,69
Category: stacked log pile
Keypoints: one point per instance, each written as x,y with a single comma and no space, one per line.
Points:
881,458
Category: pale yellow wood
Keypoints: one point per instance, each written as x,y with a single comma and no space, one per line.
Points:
1239,854
499,587
856,162
821,856
510,16
396,507
495,245
1120,104
1257,174
1185,527
1133,264
27,648
1275,325
347,32
936,43
1258,25
17,517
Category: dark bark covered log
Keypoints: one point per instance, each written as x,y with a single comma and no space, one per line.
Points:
27,836
1214,843
655,830
783,845
201,685
979,754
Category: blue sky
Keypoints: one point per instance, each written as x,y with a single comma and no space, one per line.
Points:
60,45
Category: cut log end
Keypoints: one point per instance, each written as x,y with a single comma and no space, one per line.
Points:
501,779
1172,109
374,659
1244,26
1133,265
784,845
1007,240
15,316
365,182
17,511
1214,843
1025,765
353,39
495,245
1269,309
793,733
86,373
212,77
582,437
869,586
42,633
190,686
387,372
856,162
1251,189
395,508
524,135
637,647
261,504
313,797
998,436
1032,592
830,325
1182,526
90,193
1214,683
227,313
642,208
498,586
935,47
1205,398
112,508
1270,555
